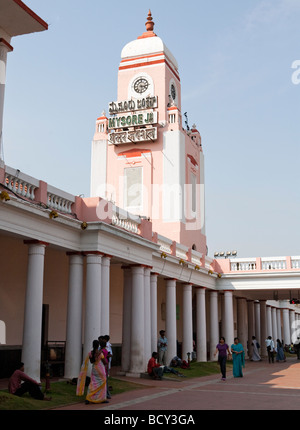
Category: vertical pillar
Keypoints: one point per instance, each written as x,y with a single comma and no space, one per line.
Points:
242,332
274,325
229,328
257,321
153,301
269,321
32,329
92,300
73,358
214,324
286,326
105,301
251,331
171,323
147,316
126,323
201,324
278,315
263,328
137,363
5,47
292,325
187,323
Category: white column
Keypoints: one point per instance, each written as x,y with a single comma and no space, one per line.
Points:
286,326
263,328
257,321
32,329
147,316
92,301
229,327
171,323
4,49
242,331
187,322
269,321
251,323
105,300
126,325
137,363
292,325
153,301
73,358
274,325
278,315
201,324
214,324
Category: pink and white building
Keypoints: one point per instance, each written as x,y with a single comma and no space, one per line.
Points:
131,259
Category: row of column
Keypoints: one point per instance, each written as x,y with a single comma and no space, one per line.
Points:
96,307
140,315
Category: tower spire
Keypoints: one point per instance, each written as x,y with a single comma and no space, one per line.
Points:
149,27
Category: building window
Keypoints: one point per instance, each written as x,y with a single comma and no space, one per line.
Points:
172,118
193,192
133,189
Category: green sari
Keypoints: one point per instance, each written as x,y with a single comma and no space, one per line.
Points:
238,359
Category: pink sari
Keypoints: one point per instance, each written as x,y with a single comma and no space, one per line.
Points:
97,389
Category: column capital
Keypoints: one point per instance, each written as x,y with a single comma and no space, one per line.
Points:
85,253
7,45
35,242
70,253
170,279
199,287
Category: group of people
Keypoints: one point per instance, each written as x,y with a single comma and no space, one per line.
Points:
100,359
236,352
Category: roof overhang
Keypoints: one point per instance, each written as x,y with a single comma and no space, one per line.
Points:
16,18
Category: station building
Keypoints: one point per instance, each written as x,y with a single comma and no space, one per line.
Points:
132,258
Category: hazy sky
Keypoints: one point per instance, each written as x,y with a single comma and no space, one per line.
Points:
238,85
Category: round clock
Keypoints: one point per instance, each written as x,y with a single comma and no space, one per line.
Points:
141,85
173,92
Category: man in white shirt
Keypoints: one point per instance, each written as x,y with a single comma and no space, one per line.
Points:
270,348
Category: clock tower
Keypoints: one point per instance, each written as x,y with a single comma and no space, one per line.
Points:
143,159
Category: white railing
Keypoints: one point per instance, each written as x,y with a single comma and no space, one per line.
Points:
19,183
165,244
125,220
243,264
273,263
181,251
59,200
196,257
295,262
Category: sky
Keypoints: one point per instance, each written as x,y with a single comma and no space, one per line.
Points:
238,87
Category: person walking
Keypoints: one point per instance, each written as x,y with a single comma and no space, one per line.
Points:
280,356
270,348
97,388
255,350
222,349
162,346
238,358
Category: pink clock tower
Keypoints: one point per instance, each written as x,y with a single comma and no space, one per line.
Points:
143,159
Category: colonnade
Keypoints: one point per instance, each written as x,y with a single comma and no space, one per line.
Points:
139,324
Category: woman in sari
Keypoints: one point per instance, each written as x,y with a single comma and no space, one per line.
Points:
255,353
238,358
97,388
280,357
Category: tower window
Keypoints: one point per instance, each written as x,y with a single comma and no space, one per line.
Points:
133,188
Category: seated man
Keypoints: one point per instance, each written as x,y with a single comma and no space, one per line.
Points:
154,369
16,387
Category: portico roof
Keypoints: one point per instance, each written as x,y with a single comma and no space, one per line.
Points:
16,18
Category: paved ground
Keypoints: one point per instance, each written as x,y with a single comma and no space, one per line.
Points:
264,387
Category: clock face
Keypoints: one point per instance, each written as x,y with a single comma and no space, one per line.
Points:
173,92
141,85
